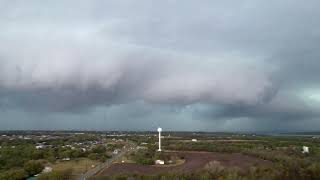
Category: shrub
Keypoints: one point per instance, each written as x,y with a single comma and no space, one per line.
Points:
93,156
215,169
55,175
14,174
33,167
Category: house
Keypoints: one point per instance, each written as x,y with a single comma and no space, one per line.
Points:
305,150
194,140
159,162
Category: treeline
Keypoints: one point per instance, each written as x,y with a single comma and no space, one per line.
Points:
17,156
16,160
30,168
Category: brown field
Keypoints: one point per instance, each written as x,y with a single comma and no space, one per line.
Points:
194,161
222,140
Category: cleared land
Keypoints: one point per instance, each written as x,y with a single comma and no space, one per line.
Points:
194,161
75,166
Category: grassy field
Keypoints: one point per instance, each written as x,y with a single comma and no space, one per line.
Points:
77,166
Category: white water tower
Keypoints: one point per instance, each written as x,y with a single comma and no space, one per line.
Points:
159,130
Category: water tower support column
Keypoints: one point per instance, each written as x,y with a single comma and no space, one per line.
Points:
159,130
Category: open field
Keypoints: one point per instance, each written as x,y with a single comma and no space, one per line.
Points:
223,140
194,161
75,166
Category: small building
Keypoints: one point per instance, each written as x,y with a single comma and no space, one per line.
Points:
66,159
159,162
305,150
116,151
40,146
194,140
47,170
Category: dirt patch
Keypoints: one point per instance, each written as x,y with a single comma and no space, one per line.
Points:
194,161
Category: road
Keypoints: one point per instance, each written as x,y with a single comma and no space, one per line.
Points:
106,164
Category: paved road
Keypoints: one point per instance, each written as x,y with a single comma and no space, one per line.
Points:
106,164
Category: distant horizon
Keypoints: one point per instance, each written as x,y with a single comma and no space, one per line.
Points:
154,131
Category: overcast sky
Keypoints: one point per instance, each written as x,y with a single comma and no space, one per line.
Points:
244,65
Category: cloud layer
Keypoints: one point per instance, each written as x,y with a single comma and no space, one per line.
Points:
205,63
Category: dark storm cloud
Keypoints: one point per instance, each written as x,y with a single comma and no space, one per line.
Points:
69,79
283,109
237,60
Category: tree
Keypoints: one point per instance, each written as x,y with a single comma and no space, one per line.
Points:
14,174
33,167
102,158
77,153
93,156
99,149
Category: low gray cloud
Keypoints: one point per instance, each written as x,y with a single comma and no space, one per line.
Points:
62,79
208,63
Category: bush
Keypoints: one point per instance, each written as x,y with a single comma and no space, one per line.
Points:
100,149
33,167
14,174
93,156
215,169
147,161
55,175
313,171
